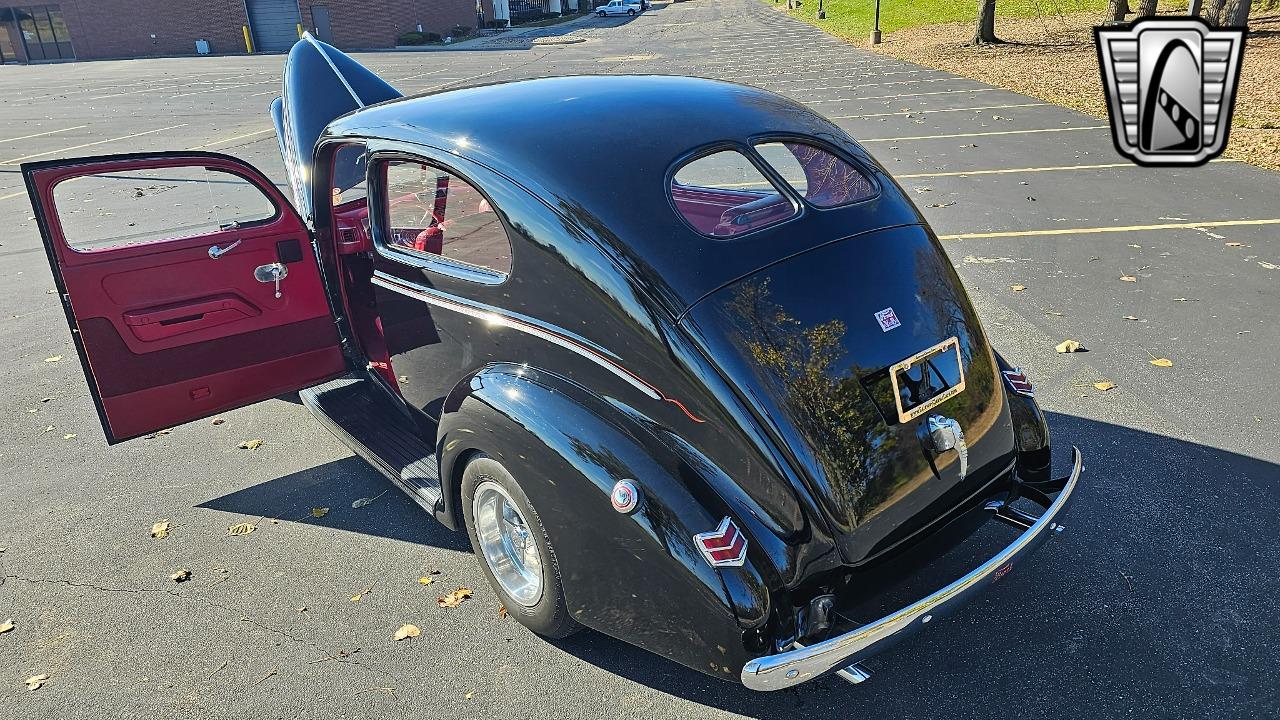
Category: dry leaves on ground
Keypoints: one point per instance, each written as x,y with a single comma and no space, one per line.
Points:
1128,278
160,529
1104,385
53,358
408,631
502,611
1017,288
251,444
319,512
181,576
6,626
241,529
455,598
363,502
217,421
426,580
1162,362
36,681
362,593
1068,346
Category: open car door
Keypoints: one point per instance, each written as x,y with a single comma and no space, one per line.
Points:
190,283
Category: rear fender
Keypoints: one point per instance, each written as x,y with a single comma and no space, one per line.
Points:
1031,431
637,577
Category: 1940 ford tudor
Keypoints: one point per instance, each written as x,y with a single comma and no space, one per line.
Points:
696,389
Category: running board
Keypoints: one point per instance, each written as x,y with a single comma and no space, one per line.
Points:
362,416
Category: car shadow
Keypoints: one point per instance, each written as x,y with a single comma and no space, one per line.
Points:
1160,583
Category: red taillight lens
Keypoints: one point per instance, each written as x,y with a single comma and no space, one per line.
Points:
1019,383
725,546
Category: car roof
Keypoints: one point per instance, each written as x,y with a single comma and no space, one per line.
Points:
565,140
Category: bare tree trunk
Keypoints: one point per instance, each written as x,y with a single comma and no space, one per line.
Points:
1212,10
1146,8
1116,10
1196,7
1235,13
985,33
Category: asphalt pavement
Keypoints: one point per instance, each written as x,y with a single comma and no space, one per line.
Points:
1159,601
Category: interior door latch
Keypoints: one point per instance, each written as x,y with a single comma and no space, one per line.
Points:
272,273
216,252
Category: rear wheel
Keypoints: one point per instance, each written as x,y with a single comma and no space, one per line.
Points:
631,13
601,13
515,552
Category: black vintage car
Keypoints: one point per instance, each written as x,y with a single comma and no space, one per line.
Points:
699,390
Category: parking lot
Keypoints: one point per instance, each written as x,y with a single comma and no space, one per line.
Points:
1158,601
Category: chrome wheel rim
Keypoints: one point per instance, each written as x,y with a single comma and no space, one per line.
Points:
507,543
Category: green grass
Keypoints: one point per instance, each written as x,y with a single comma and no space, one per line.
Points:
855,18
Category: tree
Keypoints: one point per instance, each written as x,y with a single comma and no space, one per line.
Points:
1146,8
1213,11
1195,8
1117,9
985,34
1235,13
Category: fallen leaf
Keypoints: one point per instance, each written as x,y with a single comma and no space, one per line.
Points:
404,379
408,631
35,681
45,400
218,421
251,444
160,529
362,593
53,358
1018,288
942,205
363,502
473,692
1236,244
1135,246
455,598
502,611
319,512
1128,278
426,580
241,529
1186,299
49,429
1162,362
7,626
923,189
1130,317
1104,385
302,609
1068,346
182,575
69,436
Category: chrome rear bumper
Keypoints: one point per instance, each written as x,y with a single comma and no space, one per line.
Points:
790,668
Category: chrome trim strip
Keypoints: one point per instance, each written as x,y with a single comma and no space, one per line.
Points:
320,49
493,318
787,669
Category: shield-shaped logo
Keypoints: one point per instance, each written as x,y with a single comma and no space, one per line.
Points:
1171,85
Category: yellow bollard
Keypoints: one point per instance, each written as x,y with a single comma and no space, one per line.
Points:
248,41
300,31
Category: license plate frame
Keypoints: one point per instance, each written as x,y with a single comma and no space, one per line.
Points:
908,414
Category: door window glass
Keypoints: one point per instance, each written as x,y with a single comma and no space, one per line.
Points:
435,213
820,176
723,194
131,207
349,175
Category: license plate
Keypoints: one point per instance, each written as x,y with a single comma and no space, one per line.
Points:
927,379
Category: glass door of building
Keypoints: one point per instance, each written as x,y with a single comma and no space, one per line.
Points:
40,29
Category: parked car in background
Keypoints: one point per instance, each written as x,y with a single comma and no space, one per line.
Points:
704,393
620,7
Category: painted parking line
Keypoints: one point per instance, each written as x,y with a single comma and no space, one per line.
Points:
902,95
219,89
841,87
13,195
1053,168
42,134
233,138
871,84
927,111
1108,229
15,161
983,134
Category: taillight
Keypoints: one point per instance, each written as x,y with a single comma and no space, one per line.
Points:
725,546
1019,383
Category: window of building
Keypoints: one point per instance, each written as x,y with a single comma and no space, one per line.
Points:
821,177
724,194
436,214
42,31
132,207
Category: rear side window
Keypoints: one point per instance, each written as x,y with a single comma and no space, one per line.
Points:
434,213
132,207
822,178
723,194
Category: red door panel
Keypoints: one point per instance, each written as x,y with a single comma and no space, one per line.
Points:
171,323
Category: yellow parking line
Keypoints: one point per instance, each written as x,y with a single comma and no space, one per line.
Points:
891,97
233,137
42,134
1108,229
17,160
926,111
982,134
1001,171
12,195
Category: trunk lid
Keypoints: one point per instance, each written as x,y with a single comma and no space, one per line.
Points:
810,342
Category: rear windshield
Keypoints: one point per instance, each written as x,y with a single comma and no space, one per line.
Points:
724,194
822,178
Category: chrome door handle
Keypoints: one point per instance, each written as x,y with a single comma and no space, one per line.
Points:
216,252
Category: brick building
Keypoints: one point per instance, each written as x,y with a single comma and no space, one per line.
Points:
88,29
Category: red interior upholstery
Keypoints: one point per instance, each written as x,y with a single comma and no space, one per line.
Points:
723,213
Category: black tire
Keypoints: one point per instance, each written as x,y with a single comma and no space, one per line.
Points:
632,13
549,616
601,13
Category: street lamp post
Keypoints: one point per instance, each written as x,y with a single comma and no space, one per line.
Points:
822,14
875,32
